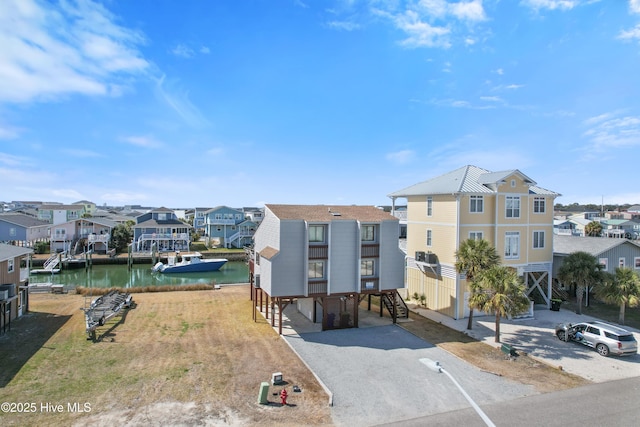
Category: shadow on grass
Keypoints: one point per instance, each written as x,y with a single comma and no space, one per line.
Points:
27,336
109,333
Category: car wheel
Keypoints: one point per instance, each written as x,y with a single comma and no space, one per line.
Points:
561,335
603,350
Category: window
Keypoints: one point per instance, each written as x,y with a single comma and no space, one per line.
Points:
476,204
316,233
636,262
622,262
316,269
513,206
538,239
162,217
429,237
604,262
429,205
538,205
475,235
10,266
12,231
367,267
513,183
512,245
218,216
368,233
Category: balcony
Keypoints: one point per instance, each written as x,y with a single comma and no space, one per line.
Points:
318,252
370,251
317,287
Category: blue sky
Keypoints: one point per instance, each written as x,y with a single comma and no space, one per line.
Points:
241,103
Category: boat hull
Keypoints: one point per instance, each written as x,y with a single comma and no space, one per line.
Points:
203,266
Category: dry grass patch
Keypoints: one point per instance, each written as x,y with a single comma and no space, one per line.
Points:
522,369
177,358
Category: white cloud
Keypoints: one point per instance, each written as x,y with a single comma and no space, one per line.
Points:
8,132
468,11
612,130
551,4
142,141
81,153
205,50
491,99
343,25
183,51
632,34
401,157
179,102
51,50
500,71
634,6
420,33
432,23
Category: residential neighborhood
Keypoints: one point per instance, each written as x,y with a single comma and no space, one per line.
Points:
316,267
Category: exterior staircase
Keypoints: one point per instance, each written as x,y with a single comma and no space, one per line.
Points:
402,311
51,263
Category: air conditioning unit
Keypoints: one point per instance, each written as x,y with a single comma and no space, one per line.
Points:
431,258
421,256
4,295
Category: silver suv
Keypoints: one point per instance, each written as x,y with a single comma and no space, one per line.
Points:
603,337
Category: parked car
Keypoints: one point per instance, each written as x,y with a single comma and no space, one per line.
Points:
606,339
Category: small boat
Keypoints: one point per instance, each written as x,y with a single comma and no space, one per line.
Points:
190,263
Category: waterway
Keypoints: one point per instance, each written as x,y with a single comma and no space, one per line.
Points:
119,275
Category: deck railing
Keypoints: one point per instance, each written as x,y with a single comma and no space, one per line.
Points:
318,252
370,251
318,287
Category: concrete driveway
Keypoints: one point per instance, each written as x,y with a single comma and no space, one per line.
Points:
536,336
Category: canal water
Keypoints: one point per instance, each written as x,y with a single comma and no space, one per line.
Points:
119,275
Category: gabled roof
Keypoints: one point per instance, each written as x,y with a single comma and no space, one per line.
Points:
467,179
23,220
328,213
10,251
565,245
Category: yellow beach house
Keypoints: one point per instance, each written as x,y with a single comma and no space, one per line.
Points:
506,208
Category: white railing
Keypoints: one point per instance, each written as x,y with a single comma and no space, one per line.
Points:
164,236
98,238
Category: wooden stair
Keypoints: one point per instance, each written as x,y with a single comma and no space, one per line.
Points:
402,311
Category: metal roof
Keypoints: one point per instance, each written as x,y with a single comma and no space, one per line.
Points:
10,251
23,220
592,245
467,179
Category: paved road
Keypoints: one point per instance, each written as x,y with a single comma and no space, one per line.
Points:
375,375
608,404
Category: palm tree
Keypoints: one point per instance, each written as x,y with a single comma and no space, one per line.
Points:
582,270
623,289
594,228
473,257
502,293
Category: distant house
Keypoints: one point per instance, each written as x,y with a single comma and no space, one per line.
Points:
199,220
610,253
161,230
58,214
23,230
325,258
228,227
254,214
14,295
80,235
89,207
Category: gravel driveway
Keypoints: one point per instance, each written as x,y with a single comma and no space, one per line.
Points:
376,376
